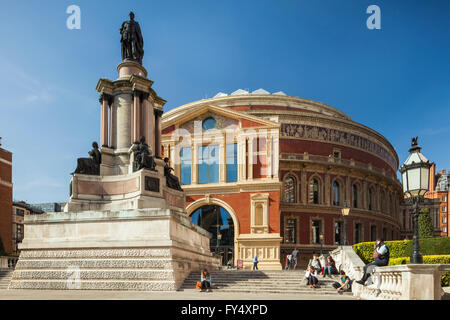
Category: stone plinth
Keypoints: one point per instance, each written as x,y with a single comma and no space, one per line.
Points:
142,249
265,246
134,190
129,68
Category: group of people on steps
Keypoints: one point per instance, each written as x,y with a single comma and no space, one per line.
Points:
314,268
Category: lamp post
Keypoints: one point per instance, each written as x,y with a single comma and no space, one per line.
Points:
415,180
345,211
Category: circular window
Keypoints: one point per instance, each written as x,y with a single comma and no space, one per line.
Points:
209,123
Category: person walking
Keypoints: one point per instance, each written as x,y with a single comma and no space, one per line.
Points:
205,280
255,263
294,257
381,255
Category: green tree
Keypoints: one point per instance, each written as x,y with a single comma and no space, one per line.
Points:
425,224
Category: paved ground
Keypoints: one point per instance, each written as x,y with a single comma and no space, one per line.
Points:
178,295
139,295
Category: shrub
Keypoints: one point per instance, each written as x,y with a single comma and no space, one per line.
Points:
432,259
403,248
425,224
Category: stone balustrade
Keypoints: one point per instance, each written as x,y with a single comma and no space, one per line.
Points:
342,162
401,282
8,262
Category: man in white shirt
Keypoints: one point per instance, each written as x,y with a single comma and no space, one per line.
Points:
381,255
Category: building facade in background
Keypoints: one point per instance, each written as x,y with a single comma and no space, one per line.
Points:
440,191
19,210
6,190
49,206
266,173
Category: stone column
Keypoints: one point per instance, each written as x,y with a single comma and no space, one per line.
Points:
276,155
122,132
303,185
364,194
269,156
173,160
136,116
149,124
241,158
222,160
250,158
348,192
104,123
194,163
158,113
113,134
327,189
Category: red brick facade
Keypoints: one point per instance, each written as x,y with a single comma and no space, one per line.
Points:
6,200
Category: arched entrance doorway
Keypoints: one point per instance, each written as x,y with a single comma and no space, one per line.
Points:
219,223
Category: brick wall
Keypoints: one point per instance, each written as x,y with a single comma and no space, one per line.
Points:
241,204
6,201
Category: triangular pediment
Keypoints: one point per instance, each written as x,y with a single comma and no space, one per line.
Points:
225,118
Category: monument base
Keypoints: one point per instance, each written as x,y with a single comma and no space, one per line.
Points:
139,249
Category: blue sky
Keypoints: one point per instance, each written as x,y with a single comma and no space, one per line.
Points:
395,80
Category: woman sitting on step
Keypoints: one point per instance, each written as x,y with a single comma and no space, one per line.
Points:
206,281
312,280
343,285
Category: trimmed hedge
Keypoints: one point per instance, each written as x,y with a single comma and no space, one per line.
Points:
432,259
403,248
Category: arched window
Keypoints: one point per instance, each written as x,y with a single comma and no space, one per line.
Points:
314,191
336,193
355,196
290,189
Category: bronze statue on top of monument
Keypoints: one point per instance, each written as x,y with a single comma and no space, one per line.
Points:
131,41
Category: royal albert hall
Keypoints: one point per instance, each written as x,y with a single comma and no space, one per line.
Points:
266,173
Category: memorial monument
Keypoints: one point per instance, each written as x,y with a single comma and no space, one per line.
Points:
125,225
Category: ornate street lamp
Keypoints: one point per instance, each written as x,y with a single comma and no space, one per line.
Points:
415,179
345,211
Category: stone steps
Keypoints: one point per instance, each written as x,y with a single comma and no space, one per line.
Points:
5,279
287,282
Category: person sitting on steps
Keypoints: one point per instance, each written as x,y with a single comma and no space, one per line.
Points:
330,267
315,262
206,281
312,280
381,255
343,285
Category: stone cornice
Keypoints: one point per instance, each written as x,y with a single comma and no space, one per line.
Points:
199,110
259,185
289,101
